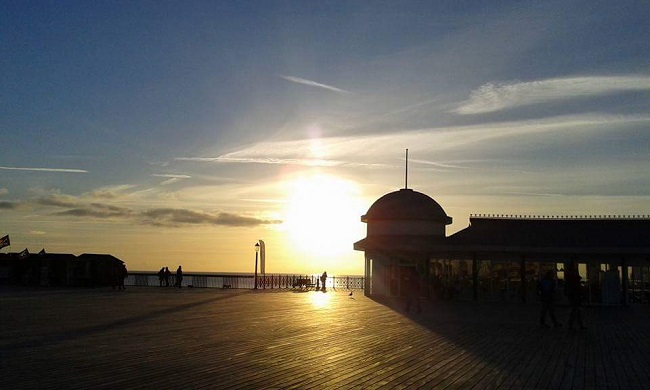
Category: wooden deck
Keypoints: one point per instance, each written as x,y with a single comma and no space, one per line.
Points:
239,339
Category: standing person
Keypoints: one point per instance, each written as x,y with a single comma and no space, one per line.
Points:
161,276
168,275
123,273
323,279
179,276
546,291
572,292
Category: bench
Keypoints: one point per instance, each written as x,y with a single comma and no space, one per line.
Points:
304,283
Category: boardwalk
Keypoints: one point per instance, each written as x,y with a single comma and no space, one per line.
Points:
239,339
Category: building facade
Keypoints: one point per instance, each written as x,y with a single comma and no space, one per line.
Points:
500,258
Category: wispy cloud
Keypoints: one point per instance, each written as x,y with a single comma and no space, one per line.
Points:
172,178
58,200
84,207
264,160
97,211
493,97
365,151
197,159
110,192
311,83
439,165
8,205
59,170
176,217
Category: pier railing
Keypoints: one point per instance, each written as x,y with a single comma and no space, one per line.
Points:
275,281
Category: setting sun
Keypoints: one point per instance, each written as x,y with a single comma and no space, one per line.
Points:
322,214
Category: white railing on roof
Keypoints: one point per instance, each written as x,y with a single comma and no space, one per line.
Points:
562,217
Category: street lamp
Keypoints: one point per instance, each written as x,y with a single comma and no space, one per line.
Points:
257,250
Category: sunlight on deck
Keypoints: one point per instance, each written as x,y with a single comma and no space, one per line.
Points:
320,300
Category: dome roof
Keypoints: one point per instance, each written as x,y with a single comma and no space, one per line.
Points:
406,204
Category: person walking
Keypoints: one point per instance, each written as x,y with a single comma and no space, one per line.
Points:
546,291
179,276
572,292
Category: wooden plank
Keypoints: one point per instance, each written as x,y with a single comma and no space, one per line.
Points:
207,338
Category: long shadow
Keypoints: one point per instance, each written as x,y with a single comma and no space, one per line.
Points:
507,337
60,337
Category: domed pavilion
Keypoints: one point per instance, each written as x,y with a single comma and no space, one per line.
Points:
500,257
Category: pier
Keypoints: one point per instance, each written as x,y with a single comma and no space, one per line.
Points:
149,337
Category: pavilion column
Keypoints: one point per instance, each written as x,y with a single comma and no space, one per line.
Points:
367,272
522,277
624,281
474,278
426,261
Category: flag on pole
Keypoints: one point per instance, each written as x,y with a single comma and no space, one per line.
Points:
23,254
262,258
4,241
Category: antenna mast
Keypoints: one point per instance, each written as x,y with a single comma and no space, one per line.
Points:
406,176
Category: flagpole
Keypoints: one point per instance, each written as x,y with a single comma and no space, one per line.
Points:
406,175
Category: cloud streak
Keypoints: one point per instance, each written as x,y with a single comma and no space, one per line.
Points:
169,217
311,83
7,205
57,170
172,178
493,97
176,217
364,151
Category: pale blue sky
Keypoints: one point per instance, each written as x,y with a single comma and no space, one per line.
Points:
133,119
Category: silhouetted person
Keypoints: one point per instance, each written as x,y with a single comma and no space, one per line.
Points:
161,276
179,276
323,279
546,290
572,292
122,274
168,275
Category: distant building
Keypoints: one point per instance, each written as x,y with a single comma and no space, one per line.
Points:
500,258
57,269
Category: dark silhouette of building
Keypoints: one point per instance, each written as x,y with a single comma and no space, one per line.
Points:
57,269
500,257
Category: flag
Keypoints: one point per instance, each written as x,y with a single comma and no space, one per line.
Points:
4,241
42,252
23,254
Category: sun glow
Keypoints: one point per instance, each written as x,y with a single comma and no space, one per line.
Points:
322,215
320,300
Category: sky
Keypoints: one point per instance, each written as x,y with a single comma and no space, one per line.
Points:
181,132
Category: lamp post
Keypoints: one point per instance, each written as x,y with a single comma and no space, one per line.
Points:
257,250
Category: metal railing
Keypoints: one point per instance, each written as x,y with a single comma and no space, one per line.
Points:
243,281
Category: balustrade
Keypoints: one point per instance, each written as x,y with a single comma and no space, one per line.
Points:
244,281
